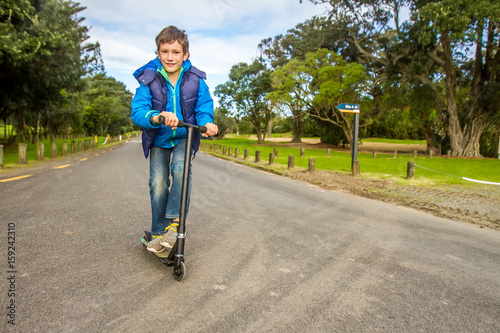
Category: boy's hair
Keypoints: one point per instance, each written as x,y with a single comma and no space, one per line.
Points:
171,34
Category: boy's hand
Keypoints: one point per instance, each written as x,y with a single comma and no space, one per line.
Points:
212,130
171,119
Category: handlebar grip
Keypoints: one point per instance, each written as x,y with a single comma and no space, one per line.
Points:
201,129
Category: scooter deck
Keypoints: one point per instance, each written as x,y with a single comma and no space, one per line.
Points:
162,256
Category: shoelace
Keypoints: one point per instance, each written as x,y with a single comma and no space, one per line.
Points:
172,226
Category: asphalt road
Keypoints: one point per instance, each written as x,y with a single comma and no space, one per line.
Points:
263,253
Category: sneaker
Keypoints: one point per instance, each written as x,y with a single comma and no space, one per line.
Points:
170,238
148,237
155,245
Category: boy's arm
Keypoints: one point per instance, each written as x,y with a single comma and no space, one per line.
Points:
204,110
141,108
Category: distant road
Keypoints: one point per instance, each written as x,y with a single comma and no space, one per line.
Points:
264,253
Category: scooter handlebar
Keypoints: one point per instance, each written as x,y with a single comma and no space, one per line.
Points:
201,129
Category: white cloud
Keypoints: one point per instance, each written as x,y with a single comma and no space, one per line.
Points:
221,32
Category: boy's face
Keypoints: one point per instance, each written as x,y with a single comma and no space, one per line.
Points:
172,56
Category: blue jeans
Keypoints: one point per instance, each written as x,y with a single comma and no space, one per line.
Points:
166,168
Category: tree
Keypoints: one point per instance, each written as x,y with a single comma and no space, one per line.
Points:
318,84
17,49
315,33
107,106
331,34
448,47
463,36
244,95
224,122
42,58
290,88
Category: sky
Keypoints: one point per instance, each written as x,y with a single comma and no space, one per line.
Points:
221,33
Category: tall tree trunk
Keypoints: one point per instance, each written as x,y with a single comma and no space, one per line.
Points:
260,139
297,126
454,130
258,130
430,137
269,130
472,136
23,126
38,117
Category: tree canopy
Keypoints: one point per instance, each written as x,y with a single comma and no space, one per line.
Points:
317,84
45,63
448,48
244,95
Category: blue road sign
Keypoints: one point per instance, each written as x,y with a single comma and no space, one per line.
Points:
346,107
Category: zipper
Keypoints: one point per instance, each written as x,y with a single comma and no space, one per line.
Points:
165,75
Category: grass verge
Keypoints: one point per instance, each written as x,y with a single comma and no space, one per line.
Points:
384,166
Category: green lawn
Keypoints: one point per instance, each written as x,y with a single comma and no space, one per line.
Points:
384,166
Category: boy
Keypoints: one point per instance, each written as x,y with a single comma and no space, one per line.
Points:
169,86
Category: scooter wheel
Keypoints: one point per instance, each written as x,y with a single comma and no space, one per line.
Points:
179,271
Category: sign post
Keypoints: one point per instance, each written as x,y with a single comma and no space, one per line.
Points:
352,108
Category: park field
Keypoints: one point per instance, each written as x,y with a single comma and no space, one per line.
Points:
436,169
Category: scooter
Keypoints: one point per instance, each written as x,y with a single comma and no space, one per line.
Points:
175,257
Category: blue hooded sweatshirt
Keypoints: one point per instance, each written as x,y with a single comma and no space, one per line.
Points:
144,103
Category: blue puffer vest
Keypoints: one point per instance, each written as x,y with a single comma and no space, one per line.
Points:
189,95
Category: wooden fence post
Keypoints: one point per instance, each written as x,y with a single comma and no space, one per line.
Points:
271,158
410,171
414,154
245,154
73,146
236,152
1,156
275,152
374,154
53,145
64,148
224,150
448,154
290,161
311,165
395,155
328,152
22,152
302,152
356,168
40,147
431,152
257,156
